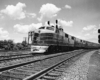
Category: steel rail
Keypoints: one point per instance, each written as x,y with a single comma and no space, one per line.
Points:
33,61
38,75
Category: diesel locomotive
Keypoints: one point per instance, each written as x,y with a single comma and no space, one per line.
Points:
52,38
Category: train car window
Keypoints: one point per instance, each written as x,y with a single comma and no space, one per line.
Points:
72,38
66,35
50,28
42,28
36,34
59,28
31,33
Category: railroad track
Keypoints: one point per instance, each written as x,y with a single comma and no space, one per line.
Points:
32,69
54,71
8,62
14,57
11,57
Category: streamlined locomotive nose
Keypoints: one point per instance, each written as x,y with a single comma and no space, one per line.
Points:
32,36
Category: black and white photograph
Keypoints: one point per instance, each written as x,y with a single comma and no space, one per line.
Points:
49,39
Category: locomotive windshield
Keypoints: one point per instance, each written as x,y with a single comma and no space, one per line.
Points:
50,28
42,27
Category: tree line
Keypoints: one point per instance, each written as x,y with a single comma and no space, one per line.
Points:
10,45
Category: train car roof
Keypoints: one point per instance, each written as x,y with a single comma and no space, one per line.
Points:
80,39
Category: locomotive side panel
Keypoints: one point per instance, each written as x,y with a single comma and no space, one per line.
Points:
71,40
77,43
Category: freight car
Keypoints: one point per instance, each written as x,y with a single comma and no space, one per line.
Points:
52,38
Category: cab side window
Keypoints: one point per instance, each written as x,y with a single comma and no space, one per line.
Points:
72,38
66,35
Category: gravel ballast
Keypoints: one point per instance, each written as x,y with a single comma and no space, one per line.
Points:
78,70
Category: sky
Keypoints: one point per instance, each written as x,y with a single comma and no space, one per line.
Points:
79,18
